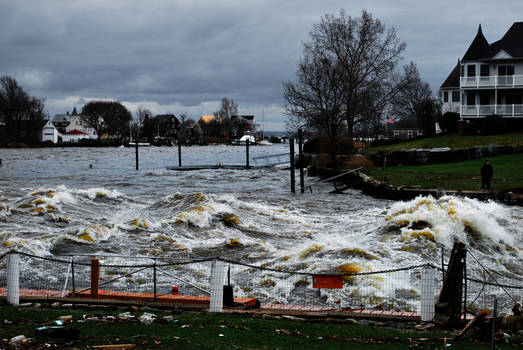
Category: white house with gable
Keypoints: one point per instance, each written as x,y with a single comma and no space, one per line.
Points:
50,133
490,78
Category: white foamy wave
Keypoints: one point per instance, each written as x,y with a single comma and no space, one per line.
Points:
100,192
451,218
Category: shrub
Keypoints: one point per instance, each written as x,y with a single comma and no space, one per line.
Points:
493,125
471,128
358,161
448,122
317,145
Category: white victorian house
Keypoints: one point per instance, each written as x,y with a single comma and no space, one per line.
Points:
488,79
79,129
50,133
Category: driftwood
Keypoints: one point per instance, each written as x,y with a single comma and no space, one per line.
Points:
472,323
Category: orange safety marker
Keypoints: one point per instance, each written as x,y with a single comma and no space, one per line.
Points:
327,282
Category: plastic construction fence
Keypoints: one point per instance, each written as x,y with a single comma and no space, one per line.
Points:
189,283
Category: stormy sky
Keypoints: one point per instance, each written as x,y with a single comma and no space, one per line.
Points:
175,56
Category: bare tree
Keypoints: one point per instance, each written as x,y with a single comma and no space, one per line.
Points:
315,100
411,93
141,114
107,116
20,112
366,52
227,110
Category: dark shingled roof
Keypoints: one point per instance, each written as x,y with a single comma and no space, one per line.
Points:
452,80
512,42
479,48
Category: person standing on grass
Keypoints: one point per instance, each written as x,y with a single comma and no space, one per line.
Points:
486,174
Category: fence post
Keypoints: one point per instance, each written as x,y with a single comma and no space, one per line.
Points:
428,301
72,277
293,179
494,315
154,280
13,278
247,142
217,278
95,276
300,152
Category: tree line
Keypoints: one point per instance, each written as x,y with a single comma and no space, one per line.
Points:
349,79
22,117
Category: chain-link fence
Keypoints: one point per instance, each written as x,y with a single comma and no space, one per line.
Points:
186,283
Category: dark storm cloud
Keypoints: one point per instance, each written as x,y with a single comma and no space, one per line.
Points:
183,56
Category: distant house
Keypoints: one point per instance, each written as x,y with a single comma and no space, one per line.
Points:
60,121
50,133
76,136
490,78
79,123
405,129
244,124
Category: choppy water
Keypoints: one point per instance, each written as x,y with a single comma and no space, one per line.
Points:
53,203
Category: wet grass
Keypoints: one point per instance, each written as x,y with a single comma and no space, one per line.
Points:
454,142
465,176
225,331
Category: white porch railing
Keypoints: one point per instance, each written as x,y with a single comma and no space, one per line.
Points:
492,81
480,111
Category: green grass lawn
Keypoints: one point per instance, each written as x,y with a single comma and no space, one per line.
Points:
454,141
226,331
508,174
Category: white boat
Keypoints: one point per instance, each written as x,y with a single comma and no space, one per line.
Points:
264,143
243,140
139,144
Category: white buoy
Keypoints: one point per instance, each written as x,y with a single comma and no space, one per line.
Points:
217,280
13,279
428,300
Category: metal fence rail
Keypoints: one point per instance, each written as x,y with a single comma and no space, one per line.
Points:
187,282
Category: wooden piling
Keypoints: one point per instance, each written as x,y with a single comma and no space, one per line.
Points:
179,153
293,179
247,153
95,276
136,148
300,157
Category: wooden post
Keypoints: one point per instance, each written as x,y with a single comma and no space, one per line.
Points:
300,157
247,142
179,154
136,148
494,315
179,149
154,280
293,180
72,277
95,276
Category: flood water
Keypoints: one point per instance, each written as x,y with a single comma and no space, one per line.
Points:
59,201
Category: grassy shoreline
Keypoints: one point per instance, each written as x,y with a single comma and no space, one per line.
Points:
186,330
463,176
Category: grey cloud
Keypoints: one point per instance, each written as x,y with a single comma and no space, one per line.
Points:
183,54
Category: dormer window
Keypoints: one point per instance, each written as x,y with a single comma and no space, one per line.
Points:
471,70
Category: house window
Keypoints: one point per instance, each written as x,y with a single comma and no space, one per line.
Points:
445,96
455,96
484,98
410,134
420,133
471,99
484,70
396,133
471,70
505,70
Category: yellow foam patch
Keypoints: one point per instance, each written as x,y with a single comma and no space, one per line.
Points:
25,205
350,268
313,249
39,201
233,243
86,237
360,253
37,210
428,235
231,219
